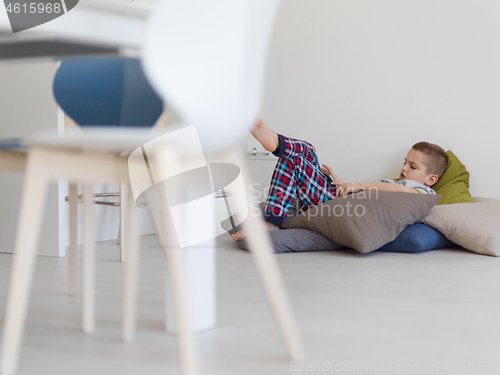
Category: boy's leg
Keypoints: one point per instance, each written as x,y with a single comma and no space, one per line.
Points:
297,172
265,135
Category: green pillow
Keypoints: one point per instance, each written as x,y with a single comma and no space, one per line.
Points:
453,186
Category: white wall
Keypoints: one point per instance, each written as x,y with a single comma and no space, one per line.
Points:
365,79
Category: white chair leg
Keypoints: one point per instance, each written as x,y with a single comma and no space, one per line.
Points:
73,254
176,271
118,237
32,204
261,248
88,263
165,240
183,316
130,277
123,216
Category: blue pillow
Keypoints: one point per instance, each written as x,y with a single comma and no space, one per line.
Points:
416,238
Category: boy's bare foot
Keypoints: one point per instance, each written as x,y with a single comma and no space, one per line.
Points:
240,234
265,135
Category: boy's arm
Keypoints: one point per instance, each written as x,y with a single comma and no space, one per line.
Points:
354,187
327,169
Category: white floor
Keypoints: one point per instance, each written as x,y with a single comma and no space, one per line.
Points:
430,313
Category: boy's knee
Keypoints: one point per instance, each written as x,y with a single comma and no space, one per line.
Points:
310,149
305,147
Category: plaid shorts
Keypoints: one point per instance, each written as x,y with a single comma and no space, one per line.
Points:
297,172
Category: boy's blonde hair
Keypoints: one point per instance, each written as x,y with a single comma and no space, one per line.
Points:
437,160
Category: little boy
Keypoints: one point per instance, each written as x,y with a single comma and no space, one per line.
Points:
298,172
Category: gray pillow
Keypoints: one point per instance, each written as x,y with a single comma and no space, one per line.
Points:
229,224
290,240
296,240
367,220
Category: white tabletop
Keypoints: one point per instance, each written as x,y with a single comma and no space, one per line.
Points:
105,23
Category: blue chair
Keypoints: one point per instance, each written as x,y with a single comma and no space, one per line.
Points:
114,105
108,93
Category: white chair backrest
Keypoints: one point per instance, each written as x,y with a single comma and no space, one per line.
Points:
207,59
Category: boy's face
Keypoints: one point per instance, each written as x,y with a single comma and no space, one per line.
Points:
415,169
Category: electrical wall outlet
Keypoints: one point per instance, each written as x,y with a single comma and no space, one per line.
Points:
255,151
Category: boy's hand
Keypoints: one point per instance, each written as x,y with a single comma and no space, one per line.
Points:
326,169
346,188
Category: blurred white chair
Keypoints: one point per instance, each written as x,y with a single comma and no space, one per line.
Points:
207,60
